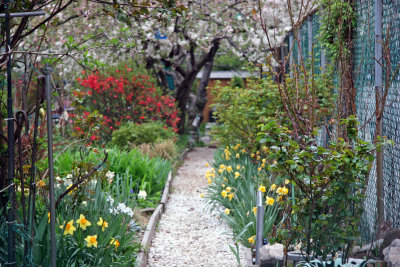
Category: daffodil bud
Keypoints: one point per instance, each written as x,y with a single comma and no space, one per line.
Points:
42,113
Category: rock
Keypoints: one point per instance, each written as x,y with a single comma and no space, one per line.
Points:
391,235
392,253
206,139
268,252
355,250
374,245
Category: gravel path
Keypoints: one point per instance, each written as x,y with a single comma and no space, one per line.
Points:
188,235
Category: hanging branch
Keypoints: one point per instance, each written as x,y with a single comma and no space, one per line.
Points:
78,182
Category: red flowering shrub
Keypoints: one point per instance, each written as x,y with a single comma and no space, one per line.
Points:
125,97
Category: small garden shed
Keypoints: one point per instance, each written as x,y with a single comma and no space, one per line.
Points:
224,78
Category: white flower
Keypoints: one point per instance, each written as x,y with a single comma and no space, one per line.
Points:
110,175
84,203
110,200
142,194
69,176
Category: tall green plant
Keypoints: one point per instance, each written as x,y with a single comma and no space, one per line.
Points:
234,181
325,213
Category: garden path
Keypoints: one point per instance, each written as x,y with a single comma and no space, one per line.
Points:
188,235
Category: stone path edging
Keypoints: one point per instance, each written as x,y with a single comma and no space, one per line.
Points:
156,216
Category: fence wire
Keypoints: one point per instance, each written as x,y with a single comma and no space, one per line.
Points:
364,75
391,116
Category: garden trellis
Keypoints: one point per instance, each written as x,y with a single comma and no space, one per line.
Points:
364,72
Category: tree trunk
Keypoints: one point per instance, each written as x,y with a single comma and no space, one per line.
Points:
183,89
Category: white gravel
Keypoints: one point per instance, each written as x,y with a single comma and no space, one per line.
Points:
188,235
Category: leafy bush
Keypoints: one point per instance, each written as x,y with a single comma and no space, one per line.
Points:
325,213
121,97
234,180
240,110
132,134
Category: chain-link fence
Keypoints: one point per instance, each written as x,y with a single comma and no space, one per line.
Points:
364,81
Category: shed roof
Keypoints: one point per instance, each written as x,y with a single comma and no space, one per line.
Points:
229,74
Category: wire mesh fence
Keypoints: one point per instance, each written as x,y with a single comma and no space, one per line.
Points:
364,81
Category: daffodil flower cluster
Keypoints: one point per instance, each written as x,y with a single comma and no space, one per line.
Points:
83,223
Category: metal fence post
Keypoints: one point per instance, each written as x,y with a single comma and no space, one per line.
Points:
10,148
378,92
310,37
291,53
259,225
47,71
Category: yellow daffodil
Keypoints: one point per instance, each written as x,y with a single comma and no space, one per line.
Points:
207,165
222,167
270,201
237,175
102,223
212,170
235,148
258,152
237,155
224,193
227,211
238,167
225,179
227,158
209,181
41,183
116,244
223,185
220,171
243,150
230,196
262,188
82,222
72,190
228,189
259,169
275,162
287,181
254,210
282,191
252,155
229,168
285,191
252,239
263,165
69,228
91,240
263,160
237,145
201,195
272,188
258,158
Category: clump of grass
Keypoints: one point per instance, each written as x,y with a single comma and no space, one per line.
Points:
165,149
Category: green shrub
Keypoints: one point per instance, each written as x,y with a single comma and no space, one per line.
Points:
240,110
135,134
